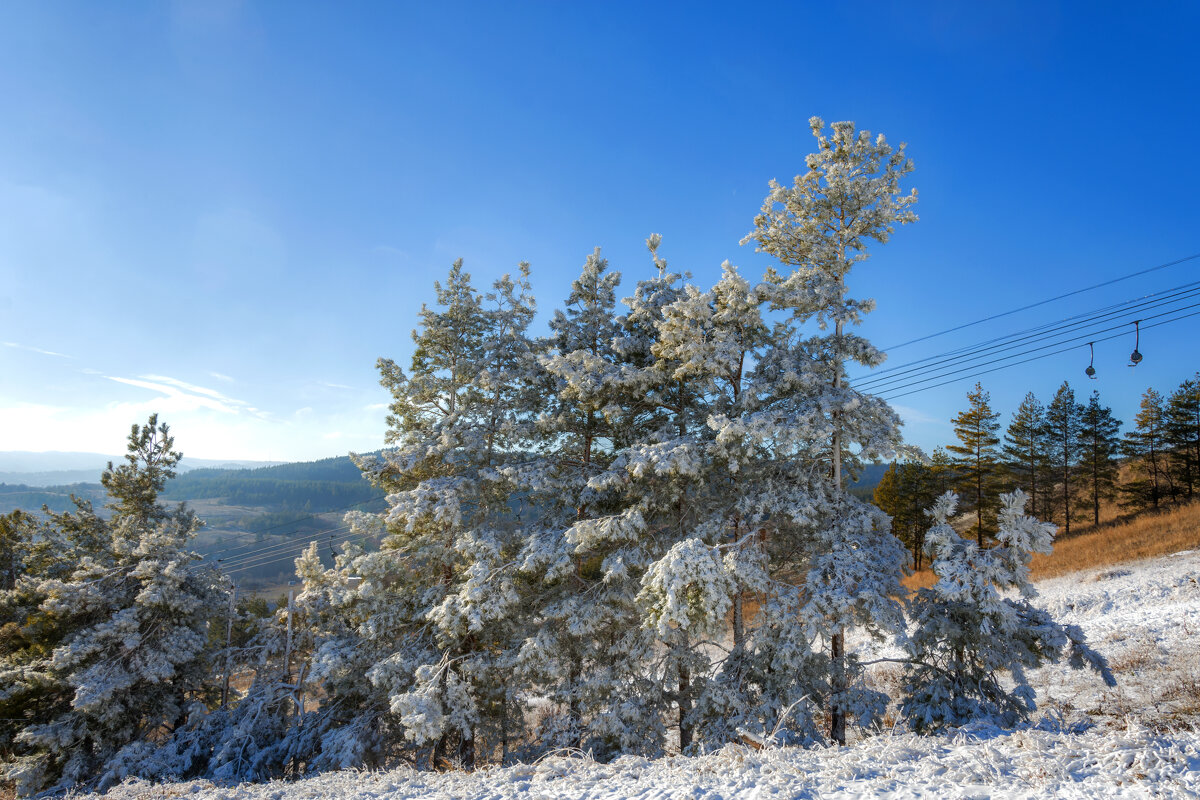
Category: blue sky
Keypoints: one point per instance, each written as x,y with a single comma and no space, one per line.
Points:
226,212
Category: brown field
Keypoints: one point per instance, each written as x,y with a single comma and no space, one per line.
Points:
1114,542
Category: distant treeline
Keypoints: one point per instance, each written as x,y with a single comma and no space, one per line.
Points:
56,498
1068,457
330,484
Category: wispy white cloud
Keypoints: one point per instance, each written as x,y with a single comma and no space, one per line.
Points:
192,388
186,396
333,385
16,346
220,377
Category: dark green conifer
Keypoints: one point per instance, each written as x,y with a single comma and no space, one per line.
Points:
978,459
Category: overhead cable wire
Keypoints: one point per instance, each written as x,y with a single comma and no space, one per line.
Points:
284,555
314,515
1083,338
873,375
875,383
890,397
1044,302
285,544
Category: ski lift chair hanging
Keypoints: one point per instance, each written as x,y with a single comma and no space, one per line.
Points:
1135,357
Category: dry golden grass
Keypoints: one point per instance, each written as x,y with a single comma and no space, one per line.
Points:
1130,539
1143,536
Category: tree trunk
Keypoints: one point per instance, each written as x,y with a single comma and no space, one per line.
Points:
685,708
979,499
837,730
837,722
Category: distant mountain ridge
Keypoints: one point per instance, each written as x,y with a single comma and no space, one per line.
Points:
56,468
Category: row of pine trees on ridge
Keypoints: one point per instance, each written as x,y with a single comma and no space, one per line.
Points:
633,535
1068,457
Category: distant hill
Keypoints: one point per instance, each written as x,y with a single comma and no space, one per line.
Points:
56,498
276,509
63,468
325,485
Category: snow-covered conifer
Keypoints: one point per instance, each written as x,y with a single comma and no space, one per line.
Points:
585,650
123,634
457,419
818,229
969,637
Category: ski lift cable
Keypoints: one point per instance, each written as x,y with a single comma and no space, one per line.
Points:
889,398
1149,301
875,382
1047,300
1043,326
1084,337
1182,289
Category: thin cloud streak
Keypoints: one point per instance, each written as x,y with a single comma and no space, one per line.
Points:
206,398
35,350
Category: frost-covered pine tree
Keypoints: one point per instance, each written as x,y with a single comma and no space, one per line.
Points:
968,636
818,229
706,341
585,652
123,635
633,504
449,558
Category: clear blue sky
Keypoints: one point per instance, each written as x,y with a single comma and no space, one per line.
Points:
227,211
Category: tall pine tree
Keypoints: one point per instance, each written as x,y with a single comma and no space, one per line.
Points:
1024,451
118,648
1146,448
1063,443
458,419
818,229
977,459
1183,437
1100,445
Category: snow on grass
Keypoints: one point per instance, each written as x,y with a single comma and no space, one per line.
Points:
1140,739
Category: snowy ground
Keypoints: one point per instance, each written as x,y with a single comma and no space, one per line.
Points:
1141,739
